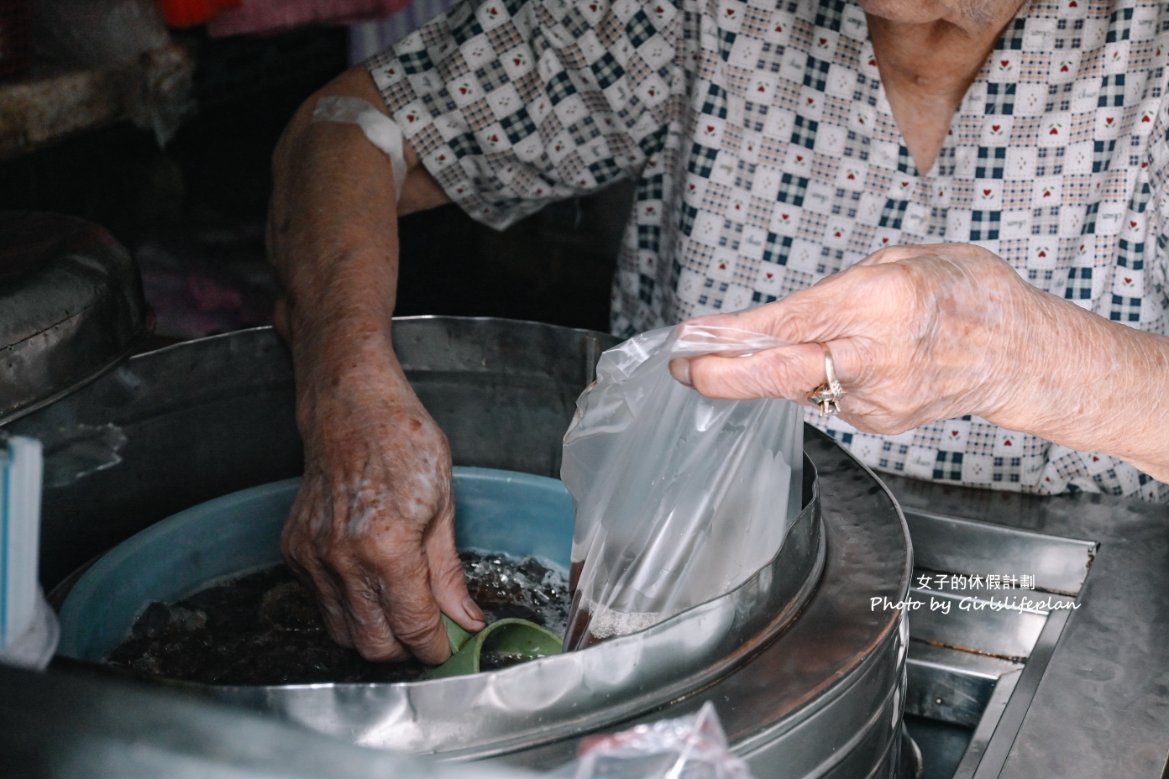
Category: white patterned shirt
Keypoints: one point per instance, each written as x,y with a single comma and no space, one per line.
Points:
766,157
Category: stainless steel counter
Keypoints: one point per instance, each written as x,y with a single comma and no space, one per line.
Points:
1066,677
1092,698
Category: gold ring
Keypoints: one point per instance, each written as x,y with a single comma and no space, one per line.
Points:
827,396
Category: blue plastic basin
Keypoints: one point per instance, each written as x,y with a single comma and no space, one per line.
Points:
495,511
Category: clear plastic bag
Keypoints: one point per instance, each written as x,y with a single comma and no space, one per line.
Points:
678,498
693,747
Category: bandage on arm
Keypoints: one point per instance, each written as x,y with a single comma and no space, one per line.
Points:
380,129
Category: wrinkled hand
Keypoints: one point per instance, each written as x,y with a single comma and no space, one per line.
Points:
917,334
372,527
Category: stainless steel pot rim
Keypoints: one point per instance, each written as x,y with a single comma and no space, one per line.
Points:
618,678
790,695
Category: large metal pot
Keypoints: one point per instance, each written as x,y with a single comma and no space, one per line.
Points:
820,695
71,306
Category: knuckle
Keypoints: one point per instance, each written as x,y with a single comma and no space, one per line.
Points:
450,573
381,647
393,573
416,633
860,368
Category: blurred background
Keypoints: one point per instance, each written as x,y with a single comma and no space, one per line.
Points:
156,119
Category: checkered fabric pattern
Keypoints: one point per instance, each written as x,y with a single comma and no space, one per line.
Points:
766,157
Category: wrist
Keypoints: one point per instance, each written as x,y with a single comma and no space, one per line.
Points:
1068,392
1031,368
346,358
333,391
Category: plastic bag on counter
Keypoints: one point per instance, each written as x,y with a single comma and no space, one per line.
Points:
679,498
693,747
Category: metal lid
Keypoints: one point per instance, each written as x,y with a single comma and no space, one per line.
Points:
71,306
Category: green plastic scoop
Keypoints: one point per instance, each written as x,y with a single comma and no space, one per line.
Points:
508,641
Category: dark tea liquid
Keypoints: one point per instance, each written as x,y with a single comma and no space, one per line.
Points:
590,624
265,628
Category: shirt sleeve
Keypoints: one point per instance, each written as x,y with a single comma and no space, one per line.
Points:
511,104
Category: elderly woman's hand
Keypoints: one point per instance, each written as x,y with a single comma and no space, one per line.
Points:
916,333
372,527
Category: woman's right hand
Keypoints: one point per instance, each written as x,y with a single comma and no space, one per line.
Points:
372,527
371,530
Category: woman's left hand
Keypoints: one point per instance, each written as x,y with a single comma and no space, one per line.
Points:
916,333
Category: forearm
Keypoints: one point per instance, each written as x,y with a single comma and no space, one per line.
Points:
332,237
1090,384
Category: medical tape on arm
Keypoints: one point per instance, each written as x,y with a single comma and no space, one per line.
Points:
380,129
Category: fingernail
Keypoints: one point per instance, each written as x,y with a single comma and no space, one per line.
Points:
472,610
680,368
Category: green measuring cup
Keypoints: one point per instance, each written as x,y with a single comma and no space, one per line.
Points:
514,639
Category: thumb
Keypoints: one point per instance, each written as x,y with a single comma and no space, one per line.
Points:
816,313
783,372
447,581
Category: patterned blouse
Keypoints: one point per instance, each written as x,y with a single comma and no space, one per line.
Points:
766,157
